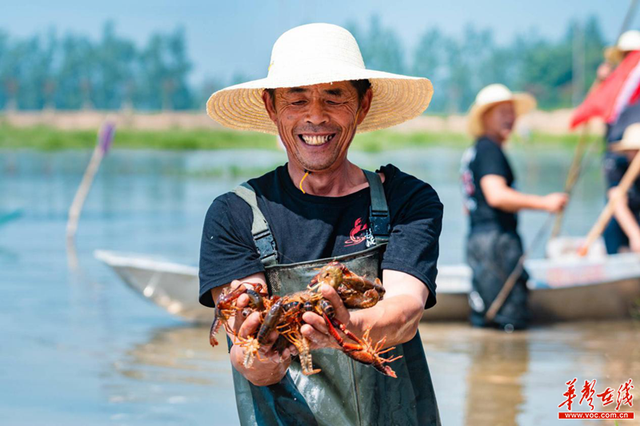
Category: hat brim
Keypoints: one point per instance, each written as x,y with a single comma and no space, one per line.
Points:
396,99
623,146
523,103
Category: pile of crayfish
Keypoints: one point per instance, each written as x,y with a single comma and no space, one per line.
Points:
284,314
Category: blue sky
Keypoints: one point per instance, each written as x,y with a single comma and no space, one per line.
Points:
229,36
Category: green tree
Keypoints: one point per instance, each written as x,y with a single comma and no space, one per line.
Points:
381,47
546,72
162,80
429,62
115,62
73,77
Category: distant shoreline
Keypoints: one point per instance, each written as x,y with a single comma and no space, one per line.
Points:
52,130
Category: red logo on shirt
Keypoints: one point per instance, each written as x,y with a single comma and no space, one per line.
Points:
357,234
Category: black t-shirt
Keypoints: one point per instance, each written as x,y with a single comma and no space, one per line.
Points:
308,227
482,159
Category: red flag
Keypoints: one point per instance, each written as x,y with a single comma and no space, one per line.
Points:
612,95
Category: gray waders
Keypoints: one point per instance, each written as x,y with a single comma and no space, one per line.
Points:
345,392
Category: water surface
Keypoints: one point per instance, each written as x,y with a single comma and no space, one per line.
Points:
79,348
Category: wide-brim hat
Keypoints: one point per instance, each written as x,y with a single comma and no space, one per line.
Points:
491,95
630,139
315,54
628,42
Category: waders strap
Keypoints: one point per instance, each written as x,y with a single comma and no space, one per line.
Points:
379,213
262,236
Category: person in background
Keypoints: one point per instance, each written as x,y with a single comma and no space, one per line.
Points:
492,202
627,211
615,164
628,42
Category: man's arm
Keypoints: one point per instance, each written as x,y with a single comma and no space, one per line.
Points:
627,221
500,196
269,367
396,317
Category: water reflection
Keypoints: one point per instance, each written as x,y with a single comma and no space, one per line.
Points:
178,355
481,377
487,377
495,387
178,370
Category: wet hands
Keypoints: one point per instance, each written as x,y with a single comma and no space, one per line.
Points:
315,328
268,366
268,330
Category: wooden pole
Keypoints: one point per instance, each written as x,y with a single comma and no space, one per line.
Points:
105,137
572,176
627,18
625,183
515,274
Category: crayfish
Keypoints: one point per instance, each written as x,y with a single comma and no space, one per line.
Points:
284,315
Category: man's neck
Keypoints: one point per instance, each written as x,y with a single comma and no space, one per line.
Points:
338,182
497,138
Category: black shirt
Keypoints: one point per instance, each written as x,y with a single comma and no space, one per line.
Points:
482,159
308,227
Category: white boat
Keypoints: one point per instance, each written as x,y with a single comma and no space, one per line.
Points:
565,289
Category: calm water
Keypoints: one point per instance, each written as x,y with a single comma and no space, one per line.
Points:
79,348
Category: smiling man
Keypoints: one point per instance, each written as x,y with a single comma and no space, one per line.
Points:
279,228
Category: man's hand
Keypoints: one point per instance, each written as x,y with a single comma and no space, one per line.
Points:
316,330
555,202
603,71
269,367
394,318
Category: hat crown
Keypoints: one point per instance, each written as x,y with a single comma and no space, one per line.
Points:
629,41
493,93
631,135
314,47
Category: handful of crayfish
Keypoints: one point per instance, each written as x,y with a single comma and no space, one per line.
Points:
284,314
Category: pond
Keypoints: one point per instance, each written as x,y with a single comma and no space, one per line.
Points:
79,348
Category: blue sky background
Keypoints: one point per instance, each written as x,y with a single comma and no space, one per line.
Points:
225,37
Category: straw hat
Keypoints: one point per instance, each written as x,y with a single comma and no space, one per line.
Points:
313,54
630,139
491,95
628,41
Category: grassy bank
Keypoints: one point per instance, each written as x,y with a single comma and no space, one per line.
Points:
47,138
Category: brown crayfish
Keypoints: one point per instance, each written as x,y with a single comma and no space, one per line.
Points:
284,315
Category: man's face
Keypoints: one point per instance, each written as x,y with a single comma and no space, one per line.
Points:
317,123
499,120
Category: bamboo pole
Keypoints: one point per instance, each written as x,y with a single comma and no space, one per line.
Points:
572,176
105,137
515,274
598,227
